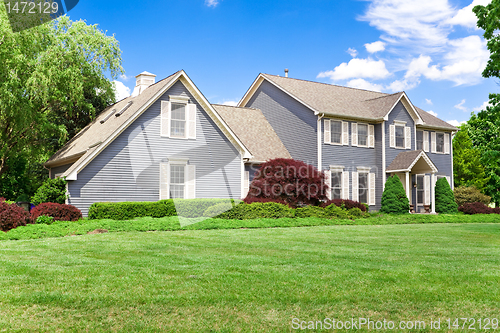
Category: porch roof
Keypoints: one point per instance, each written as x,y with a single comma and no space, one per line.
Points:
415,161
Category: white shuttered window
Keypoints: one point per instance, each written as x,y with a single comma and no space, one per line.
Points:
178,118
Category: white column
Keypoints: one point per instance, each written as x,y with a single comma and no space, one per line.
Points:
408,185
433,193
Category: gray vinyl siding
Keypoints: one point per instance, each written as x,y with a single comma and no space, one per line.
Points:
401,114
60,169
294,123
440,160
352,157
129,168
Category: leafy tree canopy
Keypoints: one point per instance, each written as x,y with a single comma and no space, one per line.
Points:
52,83
467,167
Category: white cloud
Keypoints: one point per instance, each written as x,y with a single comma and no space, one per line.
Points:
402,85
428,101
121,90
419,23
352,52
375,46
125,77
455,123
363,84
433,113
230,103
212,3
466,16
461,106
481,107
358,68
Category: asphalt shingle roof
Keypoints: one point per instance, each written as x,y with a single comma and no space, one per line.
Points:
404,160
252,128
348,102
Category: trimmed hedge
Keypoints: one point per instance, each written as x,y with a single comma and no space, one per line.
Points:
311,211
60,212
171,207
52,190
131,210
394,199
257,210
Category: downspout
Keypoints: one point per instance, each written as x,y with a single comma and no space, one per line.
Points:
451,152
320,151
383,155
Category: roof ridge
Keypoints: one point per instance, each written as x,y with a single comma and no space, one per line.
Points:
327,84
389,95
235,106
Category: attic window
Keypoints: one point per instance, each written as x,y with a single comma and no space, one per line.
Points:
124,109
108,116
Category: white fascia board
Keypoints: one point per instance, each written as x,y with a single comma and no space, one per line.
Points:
125,125
413,112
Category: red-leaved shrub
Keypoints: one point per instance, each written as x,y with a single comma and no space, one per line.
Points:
60,212
348,204
290,181
478,208
12,216
2,199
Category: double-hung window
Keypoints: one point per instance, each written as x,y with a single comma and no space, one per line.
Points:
420,140
336,128
400,136
420,189
363,187
362,135
177,186
178,118
336,184
440,142
178,123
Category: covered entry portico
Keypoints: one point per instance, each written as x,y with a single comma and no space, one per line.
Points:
415,162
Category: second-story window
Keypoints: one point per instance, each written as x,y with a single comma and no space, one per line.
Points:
178,123
420,140
362,135
336,128
400,136
440,142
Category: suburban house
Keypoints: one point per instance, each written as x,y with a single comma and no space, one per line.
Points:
168,141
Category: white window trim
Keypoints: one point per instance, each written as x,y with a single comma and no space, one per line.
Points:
168,104
178,161
424,189
416,139
363,169
344,134
367,135
399,122
338,169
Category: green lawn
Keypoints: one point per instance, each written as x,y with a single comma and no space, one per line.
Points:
249,279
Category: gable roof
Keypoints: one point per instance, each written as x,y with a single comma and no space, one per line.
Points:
253,129
407,159
96,136
345,102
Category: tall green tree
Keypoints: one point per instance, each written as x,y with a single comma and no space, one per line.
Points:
52,83
467,167
484,128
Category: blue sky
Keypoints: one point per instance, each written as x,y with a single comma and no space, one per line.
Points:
429,48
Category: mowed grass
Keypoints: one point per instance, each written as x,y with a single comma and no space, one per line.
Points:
249,280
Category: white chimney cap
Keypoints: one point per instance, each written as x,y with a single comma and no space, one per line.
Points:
143,81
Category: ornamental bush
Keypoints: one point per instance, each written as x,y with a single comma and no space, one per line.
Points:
131,210
258,210
12,216
347,204
60,212
445,200
477,208
291,181
469,194
52,190
394,199
311,211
